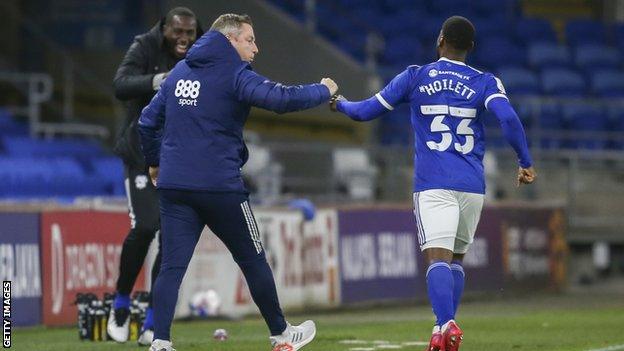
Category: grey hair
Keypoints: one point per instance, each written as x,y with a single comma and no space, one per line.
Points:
230,23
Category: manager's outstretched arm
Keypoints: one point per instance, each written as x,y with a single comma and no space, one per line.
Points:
259,91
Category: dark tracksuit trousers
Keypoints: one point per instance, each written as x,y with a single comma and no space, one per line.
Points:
183,216
144,223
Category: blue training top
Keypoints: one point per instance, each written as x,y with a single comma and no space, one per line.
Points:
447,98
193,127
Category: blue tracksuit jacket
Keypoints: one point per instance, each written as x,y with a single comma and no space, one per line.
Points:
193,127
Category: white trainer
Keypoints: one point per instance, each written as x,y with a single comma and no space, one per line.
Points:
146,337
118,324
161,345
294,337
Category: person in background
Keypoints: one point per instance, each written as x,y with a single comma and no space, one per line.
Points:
143,69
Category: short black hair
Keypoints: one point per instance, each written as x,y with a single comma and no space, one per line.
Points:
178,11
458,32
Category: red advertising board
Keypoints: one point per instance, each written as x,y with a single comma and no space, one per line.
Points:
80,252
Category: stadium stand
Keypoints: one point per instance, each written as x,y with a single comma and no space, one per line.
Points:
61,168
529,56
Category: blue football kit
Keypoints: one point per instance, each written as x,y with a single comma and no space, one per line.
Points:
446,100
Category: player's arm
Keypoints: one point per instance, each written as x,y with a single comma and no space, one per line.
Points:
130,80
393,94
515,136
259,91
150,128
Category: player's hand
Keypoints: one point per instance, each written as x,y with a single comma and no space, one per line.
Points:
330,84
526,175
333,102
153,173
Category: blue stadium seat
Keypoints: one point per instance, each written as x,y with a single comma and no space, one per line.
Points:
547,55
534,30
402,51
616,124
582,118
520,81
403,5
588,56
401,23
585,31
352,4
490,27
562,82
448,8
27,177
490,8
619,36
26,146
550,121
494,52
607,83
293,8
111,172
10,126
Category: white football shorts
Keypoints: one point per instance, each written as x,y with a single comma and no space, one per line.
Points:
447,219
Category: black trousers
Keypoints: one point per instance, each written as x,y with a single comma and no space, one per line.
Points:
143,208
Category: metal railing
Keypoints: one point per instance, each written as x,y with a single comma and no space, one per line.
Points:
41,90
589,183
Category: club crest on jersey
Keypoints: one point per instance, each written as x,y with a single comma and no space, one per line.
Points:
140,181
433,73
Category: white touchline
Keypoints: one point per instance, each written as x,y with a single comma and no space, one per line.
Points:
415,343
610,348
353,341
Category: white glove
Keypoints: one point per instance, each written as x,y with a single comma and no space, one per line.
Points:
158,79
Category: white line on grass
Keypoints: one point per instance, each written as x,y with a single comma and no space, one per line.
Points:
415,343
354,342
610,348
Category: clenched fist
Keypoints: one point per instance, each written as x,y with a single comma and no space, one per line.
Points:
526,175
330,84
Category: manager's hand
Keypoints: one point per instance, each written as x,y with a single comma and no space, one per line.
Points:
153,173
330,84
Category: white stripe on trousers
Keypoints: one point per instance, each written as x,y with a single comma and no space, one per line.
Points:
421,230
130,209
251,226
254,225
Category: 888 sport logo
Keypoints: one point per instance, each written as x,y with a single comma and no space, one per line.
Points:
187,91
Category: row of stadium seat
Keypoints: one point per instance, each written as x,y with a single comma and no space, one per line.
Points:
563,82
62,168
347,23
493,52
59,177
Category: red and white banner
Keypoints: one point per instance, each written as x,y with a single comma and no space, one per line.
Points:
80,253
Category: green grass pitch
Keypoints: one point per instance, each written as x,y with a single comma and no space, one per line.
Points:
579,322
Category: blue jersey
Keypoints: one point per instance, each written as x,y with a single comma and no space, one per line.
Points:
447,99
